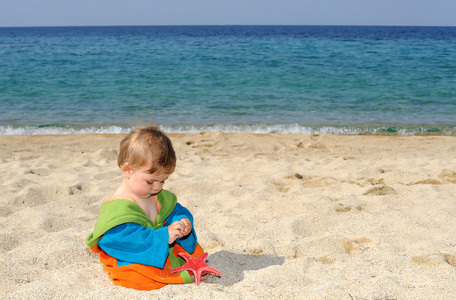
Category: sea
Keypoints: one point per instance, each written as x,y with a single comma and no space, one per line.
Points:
346,80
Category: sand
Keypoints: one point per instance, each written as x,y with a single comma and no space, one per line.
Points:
281,216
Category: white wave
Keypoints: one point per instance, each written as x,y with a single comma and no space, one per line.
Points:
306,129
261,129
34,130
257,128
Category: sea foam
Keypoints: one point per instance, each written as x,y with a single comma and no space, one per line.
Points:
254,128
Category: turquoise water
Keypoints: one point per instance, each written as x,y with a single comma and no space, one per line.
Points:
281,79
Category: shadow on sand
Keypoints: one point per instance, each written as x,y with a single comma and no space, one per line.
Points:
233,265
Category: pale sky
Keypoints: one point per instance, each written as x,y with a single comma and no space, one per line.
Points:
233,12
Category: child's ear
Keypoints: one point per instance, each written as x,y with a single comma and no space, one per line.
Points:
126,170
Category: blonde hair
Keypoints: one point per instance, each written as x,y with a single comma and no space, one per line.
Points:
147,146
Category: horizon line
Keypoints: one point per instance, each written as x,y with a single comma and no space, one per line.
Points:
220,25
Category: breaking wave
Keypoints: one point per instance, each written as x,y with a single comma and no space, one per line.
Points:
244,128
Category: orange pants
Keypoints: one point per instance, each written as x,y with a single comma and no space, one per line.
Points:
143,277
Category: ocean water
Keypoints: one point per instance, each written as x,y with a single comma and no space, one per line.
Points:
262,79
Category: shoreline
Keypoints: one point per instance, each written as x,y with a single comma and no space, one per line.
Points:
281,215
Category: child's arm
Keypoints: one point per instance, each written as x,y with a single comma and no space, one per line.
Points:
180,213
133,243
189,240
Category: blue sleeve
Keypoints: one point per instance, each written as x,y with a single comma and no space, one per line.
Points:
179,213
133,243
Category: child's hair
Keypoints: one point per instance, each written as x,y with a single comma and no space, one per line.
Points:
147,146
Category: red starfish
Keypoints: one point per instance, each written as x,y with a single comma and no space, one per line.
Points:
197,265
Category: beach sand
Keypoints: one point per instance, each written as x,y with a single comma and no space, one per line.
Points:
281,216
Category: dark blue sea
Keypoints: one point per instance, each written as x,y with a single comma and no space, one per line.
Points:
261,79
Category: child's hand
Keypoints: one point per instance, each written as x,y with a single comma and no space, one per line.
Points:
188,226
178,229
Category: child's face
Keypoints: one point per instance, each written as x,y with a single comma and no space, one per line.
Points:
143,184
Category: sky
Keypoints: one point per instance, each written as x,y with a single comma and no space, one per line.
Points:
19,13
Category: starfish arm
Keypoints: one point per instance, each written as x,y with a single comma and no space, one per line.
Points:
182,268
197,277
209,269
185,256
204,256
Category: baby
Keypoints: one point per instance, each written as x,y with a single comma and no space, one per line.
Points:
141,228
